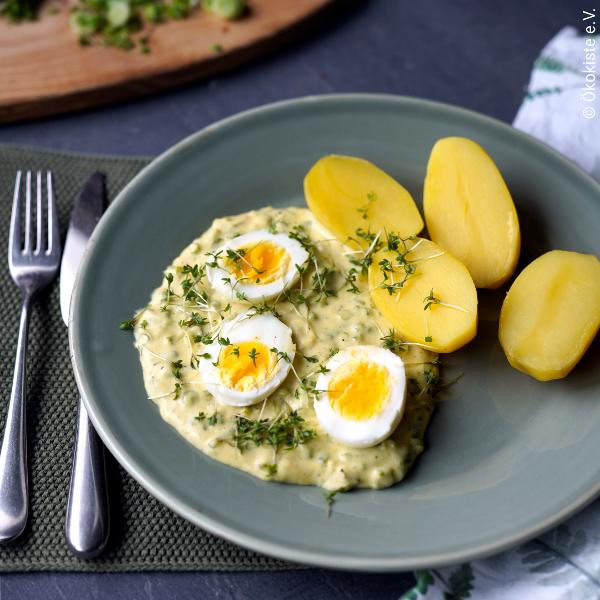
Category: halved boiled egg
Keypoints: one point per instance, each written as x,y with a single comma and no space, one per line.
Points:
257,265
242,370
362,395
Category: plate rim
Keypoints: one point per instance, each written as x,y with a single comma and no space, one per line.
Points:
232,534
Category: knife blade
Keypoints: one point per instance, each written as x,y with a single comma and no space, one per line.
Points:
87,522
86,213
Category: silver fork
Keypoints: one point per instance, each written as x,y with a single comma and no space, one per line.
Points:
31,268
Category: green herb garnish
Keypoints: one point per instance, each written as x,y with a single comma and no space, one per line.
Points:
176,367
329,498
127,325
270,468
287,433
253,354
391,342
364,210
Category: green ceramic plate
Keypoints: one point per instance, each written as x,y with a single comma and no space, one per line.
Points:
507,456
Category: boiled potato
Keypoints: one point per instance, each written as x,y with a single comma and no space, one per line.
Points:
347,193
469,210
551,314
436,306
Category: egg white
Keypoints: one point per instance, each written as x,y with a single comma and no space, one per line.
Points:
218,275
369,432
248,327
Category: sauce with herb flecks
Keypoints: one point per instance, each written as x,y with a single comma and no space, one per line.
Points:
289,446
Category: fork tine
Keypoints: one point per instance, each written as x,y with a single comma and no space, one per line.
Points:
38,243
27,242
53,232
14,237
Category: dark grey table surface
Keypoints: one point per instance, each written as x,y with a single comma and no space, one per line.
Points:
474,53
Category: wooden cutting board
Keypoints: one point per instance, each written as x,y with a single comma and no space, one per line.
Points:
44,70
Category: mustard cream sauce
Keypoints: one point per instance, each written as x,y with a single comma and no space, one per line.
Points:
339,321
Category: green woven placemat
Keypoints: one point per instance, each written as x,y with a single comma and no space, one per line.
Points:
145,534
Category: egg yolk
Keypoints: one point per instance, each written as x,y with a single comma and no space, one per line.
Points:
245,366
359,390
261,263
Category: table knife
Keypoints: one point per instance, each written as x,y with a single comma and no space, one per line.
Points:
87,523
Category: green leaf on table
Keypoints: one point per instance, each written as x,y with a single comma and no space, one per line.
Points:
460,583
424,580
554,556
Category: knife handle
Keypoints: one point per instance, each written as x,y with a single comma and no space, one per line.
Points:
87,525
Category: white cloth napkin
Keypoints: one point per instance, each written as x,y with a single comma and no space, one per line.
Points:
563,564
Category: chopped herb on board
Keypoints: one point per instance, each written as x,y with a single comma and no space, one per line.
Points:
16,11
123,23
226,9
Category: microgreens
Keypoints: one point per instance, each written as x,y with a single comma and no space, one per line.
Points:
288,433
169,278
270,468
310,359
391,342
329,497
430,300
176,367
253,354
365,261
196,320
215,256
263,307
127,325
351,277
364,210
212,420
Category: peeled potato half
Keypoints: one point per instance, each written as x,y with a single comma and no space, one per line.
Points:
347,194
425,294
470,212
551,314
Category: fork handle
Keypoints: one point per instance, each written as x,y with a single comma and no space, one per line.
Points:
87,524
13,455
